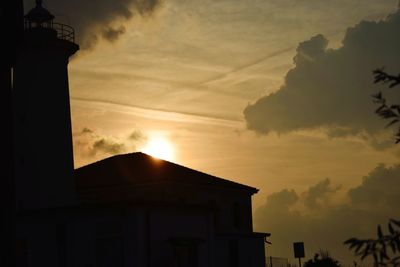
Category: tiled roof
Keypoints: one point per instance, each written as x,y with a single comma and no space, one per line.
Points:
136,169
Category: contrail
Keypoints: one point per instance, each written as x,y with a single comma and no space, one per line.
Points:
160,114
248,65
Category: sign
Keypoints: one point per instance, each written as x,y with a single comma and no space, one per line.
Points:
298,248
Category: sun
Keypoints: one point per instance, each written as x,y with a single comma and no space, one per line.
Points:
159,147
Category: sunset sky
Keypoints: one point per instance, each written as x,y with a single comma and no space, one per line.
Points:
274,94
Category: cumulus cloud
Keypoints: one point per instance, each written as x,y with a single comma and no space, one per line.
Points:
331,88
319,194
379,189
282,200
137,136
90,146
107,146
313,217
95,19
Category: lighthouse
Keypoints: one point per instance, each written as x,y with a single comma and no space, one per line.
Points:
42,121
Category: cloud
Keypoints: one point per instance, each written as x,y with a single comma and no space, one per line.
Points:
90,146
331,88
137,136
112,34
95,19
283,199
379,189
313,216
107,146
319,194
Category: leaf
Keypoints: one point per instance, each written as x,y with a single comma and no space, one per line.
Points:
380,235
375,257
349,241
364,255
392,122
396,107
387,113
359,246
395,222
390,227
378,95
380,108
393,246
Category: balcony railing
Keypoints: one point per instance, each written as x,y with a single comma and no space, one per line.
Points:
64,32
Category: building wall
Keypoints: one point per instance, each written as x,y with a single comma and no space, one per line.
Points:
150,235
42,123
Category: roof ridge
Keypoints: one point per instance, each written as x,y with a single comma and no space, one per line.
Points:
145,156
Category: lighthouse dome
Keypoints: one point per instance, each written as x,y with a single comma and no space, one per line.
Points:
39,14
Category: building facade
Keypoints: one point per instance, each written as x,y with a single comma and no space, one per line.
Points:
135,210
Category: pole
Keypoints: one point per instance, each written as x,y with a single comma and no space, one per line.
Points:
299,262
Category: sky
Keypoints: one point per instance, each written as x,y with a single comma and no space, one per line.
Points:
272,94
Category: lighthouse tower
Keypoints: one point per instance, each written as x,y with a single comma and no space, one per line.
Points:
42,120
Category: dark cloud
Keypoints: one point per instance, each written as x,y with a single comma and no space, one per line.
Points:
332,87
112,34
319,194
283,200
136,135
381,188
316,217
86,130
107,146
94,19
90,146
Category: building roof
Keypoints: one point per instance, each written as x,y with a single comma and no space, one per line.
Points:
138,169
39,14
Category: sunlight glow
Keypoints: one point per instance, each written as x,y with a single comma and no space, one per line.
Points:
159,147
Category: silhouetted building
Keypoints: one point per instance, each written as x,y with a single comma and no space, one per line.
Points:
11,15
126,210
163,214
43,139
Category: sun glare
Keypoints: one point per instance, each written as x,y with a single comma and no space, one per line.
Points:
159,147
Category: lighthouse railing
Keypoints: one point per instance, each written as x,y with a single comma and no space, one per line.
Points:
64,32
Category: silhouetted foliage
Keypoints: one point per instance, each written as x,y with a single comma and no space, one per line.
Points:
322,259
384,250
386,111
